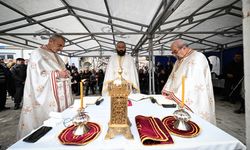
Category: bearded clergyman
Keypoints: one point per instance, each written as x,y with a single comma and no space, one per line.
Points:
126,63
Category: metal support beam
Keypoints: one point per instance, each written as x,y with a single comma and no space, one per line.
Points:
127,33
225,32
190,17
203,40
74,14
110,19
16,42
31,16
85,40
107,23
193,41
136,61
151,66
168,9
33,21
195,23
216,14
197,14
113,18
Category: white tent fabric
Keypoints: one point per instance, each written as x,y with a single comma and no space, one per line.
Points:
92,27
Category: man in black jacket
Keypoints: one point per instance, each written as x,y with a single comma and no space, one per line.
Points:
234,73
3,86
19,74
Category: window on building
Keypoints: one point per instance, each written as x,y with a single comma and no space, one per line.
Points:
10,57
2,56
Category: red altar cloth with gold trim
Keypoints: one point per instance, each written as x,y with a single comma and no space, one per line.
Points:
67,135
192,132
152,131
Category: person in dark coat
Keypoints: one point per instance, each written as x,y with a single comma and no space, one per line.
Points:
76,79
4,75
86,75
19,74
233,75
143,81
100,78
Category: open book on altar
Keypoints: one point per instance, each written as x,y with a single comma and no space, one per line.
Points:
160,99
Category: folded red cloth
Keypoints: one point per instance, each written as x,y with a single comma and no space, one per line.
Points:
152,131
67,135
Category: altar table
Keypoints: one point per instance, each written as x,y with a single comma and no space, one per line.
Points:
210,137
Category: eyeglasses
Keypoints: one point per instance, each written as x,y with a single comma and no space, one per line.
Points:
176,50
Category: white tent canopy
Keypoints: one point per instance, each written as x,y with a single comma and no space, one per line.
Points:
91,27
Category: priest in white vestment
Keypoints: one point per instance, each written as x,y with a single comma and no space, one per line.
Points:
47,86
126,62
193,65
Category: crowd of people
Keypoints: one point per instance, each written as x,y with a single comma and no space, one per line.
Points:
161,74
12,79
93,80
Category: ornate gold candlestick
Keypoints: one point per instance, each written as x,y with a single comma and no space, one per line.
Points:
80,121
119,123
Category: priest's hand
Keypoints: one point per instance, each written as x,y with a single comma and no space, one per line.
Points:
64,74
168,95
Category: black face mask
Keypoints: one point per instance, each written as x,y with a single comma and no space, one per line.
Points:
21,65
121,53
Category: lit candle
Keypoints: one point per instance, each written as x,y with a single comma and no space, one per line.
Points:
183,91
81,95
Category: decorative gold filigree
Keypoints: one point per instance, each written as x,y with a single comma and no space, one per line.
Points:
119,123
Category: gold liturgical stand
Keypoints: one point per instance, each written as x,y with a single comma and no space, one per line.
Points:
119,123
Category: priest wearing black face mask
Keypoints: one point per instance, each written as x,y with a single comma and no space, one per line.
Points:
126,63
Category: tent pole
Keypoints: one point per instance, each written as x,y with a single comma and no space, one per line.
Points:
246,50
136,60
151,72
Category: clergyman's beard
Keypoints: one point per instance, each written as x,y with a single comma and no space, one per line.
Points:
121,53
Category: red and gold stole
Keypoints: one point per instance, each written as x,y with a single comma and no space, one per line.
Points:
171,96
67,135
152,131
